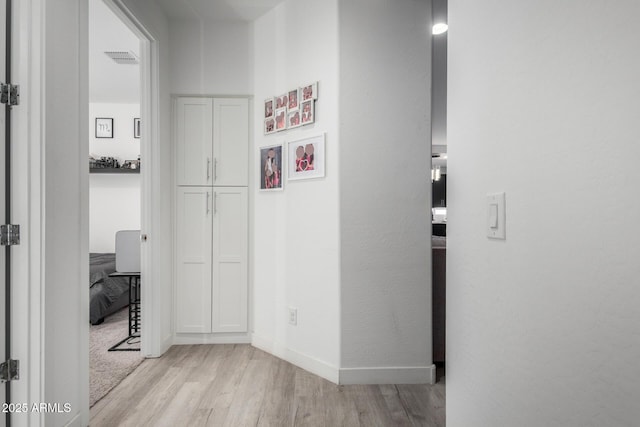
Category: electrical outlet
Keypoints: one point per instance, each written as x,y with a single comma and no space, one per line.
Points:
293,316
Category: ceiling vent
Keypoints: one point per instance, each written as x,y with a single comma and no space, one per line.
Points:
123,57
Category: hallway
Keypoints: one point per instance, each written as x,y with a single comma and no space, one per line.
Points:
239,385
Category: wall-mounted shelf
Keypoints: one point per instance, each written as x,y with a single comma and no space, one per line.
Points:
113,170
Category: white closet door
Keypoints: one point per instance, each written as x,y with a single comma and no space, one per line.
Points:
230,141
194,251
194,141
230,243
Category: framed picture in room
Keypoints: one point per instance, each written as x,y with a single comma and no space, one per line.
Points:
293,119
281,119
104,127
307,113
268,108
271,163
136,128
131,164
269,125
309,91
306,159
293,100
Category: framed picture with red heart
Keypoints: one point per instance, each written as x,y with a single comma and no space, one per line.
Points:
306,158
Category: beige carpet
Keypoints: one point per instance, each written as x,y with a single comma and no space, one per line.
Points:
108,368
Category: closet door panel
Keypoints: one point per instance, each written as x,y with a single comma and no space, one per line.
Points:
194,141
229,313
230,248
231,141
194,259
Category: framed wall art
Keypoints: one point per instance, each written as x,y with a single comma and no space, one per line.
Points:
281,119
290,110
306,158
268,108
136,128
269,125
307,115
293,119
271,162
293,100
309,91
104,127
282,101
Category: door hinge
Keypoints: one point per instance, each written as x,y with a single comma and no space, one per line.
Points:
9,234
9,94
9,370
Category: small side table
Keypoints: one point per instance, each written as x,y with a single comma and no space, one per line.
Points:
134,309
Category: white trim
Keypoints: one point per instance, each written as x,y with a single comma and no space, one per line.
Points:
28,207
83,202
166,342
75,422
389,375
187,339
29,173
251,217
308,363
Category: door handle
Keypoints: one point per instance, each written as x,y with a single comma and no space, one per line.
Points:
215,202
215,169
144,237
207,203
208,168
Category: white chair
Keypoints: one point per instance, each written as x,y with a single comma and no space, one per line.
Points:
128,251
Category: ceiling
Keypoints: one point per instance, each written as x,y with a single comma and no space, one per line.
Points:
113,83
217,10
110,82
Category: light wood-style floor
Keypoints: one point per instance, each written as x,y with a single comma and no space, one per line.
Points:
239,385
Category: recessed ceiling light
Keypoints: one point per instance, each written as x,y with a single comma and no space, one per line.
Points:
440,28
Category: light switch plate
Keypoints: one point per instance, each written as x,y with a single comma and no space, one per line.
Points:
293,316
496,216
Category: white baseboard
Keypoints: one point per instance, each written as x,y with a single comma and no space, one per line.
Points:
75,421
308,363
167,342
187,339
395,375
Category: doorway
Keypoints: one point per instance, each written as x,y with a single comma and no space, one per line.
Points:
123,104
439,182
114,200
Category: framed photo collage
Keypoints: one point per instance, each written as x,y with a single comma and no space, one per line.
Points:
290,110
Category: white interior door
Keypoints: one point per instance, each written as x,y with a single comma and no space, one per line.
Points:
230,141
194,141
193,289
230,240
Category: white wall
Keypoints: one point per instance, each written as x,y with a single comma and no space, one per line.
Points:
66,259
114,205
109,81
439,78
296,232
385,257
542,329
211,58
114,199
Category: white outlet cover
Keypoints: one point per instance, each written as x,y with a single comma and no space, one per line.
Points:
496,216
293,316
